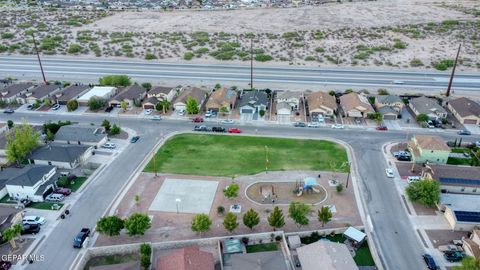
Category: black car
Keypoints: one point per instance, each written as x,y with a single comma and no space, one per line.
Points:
134,139
453,256
299,124
109,109
218,129
26,202
30,228
464,132
430,262
8,111
404,158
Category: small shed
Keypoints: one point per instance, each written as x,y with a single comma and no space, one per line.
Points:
294,241
355,235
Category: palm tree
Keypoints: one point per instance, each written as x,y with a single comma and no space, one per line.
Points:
165,105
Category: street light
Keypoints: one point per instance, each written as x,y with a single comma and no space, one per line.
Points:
178,201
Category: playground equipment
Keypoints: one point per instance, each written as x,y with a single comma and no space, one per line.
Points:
267,192
309,184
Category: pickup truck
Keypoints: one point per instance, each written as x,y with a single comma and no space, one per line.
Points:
81,236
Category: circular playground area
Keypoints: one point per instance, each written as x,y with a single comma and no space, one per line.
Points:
306,191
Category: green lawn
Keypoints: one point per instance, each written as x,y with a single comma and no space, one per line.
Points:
238,155
459,161
262,247
339,238
363,257
44,205
5,200
78,183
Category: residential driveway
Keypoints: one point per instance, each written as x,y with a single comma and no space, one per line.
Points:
474,129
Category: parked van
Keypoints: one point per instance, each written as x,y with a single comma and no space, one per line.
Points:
55,197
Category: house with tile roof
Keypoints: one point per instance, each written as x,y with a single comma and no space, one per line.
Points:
465,110
222,97
321,103
428,106
355,105
11,92
68,156
132,95
188,258
428,149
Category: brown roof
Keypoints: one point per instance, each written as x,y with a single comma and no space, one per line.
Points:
43,90
465,107
222,97
72,92
160,90
428,142
474,247
14,89
132,92
194,92
353,100
188,258
318,99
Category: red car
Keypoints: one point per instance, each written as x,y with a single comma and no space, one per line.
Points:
64,191
382,128
197,120
234,130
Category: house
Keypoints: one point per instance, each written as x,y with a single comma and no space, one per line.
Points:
428,106
8,217
471,245
452,179
161,92
283,112
428,149
461,211
104,92
291,98
326,255
33,182
222,97
465,110
10,93
67,156
321,103
271,260
70,93
188,258
390,106
86,135
150,103
355,105
132,95
252,102
38,93
197,94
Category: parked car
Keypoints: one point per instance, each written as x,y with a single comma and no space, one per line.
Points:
209,114
389,173
411,179
313,125
33,220
30,229
135,139
56,107
30,107
63,191
8,111
447,248
5,265
404,158
181,112
234,130
382,128
197,120
148,111
464,132
299,124
156,118
401,153
339,126
200,128
81,237
218,129
430,124
227,121
453,256
109,146
430,262
54,197
109,109
26,202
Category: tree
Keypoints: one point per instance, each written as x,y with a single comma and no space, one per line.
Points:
137,224
251,219
96,103
331,93
115,80
218,86
106,125
201,223
164,105
46,102
147,86
276,219
115,130
10,234
224,109
324,215
230,222
298,212
426,192
145,253
111,225
468,263
21,140
422,117
192,105
339,187
231,191
123,105
50,136
9,124
382,92
261,113
72,105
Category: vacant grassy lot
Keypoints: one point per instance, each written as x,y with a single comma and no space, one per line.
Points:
238,155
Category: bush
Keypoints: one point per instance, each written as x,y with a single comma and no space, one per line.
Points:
399,44
145,261
115,80
382,92
150,56
415,62
231,191
115,130
310,58
443,64
339,187
188,55
63,182
145,249
220,210
319,49
261,113
263,57
7,35
74,48
96,103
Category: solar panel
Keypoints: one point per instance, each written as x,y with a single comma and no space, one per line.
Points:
459,181
467,216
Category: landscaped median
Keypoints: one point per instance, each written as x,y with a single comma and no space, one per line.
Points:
243,155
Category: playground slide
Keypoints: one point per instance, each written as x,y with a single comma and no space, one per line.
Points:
299,193
316,190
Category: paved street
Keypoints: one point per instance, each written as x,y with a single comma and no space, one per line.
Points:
76,70
399,244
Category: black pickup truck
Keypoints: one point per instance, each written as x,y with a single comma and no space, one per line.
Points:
81,236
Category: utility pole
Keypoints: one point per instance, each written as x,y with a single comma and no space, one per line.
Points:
38,57
453,72
251,64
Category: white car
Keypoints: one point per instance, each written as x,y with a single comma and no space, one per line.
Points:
227,121
33,220
148,111
389,173
181,112
313,125
56,107
338,126
208,114
109,146
156,117
412,179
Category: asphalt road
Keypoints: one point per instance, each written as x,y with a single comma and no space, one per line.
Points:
76,70
399,245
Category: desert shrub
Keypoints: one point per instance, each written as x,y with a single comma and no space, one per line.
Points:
263,57
188,55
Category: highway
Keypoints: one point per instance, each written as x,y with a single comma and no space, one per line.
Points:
88,70
397,241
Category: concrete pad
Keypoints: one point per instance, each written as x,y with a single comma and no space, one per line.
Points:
195,196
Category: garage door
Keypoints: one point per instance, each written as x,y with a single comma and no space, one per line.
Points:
470,121
148,106
247,111
389,117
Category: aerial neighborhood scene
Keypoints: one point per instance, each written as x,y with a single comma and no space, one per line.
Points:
240,135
